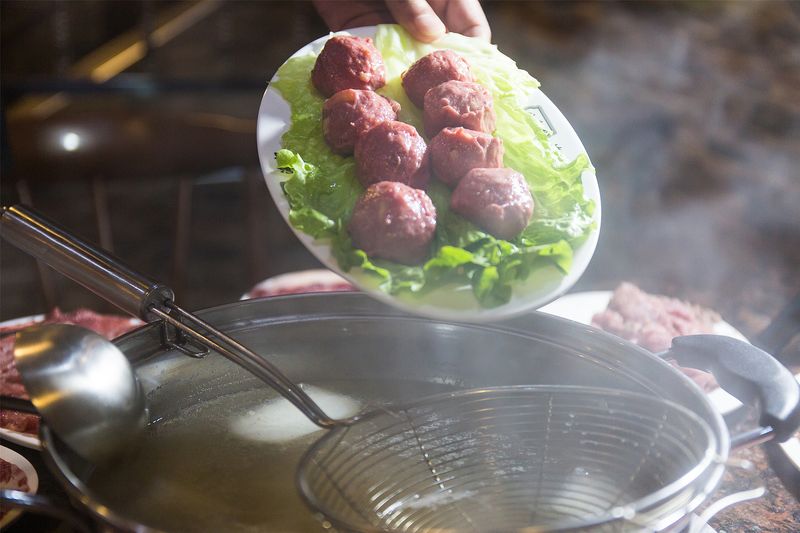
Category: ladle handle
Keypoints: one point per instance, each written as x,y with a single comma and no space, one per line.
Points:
109,278
97,270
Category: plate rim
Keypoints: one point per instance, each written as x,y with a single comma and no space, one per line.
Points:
321,250
719,398
28,440
21,462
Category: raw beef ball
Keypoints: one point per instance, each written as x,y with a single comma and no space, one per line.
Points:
348,63
392,151
496,200
394,221
349,113
456,151
435,68
458,103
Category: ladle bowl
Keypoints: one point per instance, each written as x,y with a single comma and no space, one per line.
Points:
83,387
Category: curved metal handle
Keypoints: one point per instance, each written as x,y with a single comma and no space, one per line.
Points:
749,374
215,339
95,269
36,503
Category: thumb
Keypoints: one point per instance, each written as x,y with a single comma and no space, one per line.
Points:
418,18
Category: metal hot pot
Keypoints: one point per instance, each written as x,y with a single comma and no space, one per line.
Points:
343,343
222,449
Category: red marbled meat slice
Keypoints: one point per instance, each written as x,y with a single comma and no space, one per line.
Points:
347,62
12,477
110,326
652,321
434,69
342,286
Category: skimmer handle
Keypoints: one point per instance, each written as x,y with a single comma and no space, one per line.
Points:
749,374
95,269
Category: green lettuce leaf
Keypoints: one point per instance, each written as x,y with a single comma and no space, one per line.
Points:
322,187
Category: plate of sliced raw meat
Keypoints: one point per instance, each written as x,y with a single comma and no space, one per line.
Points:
16,473
23,428
650,321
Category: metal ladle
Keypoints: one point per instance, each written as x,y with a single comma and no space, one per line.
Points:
72,375
83,387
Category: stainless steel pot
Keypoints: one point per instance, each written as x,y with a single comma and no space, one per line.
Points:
208,463
345,343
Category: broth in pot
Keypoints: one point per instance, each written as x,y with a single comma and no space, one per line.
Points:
228,464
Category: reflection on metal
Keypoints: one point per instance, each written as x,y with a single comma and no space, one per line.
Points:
117,55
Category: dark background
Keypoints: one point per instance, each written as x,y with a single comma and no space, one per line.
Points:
690,112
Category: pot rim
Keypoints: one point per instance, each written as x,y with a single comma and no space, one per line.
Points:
79,492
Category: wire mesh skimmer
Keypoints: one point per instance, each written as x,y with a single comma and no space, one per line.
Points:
511,458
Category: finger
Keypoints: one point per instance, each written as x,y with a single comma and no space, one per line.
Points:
352,14
467,18
418,18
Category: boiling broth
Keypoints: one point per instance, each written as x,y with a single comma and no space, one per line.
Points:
229,464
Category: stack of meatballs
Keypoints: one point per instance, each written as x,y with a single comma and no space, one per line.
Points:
395,219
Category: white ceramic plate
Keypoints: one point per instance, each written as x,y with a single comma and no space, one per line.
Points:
298,282
23,464
23,439
582,306
14,322
452,302
26,439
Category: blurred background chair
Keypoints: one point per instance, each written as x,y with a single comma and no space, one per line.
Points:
140,135
90,150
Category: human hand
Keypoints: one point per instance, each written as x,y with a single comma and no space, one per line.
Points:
424,20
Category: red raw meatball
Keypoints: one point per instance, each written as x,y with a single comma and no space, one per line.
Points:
456,151
497,200
458,103
348,63
349,113
435,68
394,221
392,151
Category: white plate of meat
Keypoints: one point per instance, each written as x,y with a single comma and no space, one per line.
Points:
19,428
303,281
650,321
485,259
16,473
